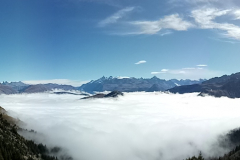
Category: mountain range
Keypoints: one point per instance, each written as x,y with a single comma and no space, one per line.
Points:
100,85
134,84
20,87
227,85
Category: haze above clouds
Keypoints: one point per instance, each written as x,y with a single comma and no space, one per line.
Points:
136,126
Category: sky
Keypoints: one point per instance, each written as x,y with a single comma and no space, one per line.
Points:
81,40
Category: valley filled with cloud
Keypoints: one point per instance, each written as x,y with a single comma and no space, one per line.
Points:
135,126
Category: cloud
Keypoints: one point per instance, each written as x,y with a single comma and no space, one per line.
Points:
166,33
217,15
176,71
181,72
122,77
201,1
75,83
141,62
236,14
202,65
164,70
136,126
189,68
191,1
205,19
115,17
205,3
174,22
224,40
200,71
157,72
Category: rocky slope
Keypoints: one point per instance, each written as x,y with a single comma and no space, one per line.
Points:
228,86
15,147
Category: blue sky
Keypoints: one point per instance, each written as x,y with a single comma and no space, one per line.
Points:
80,40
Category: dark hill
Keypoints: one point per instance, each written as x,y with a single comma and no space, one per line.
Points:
112,94
228,86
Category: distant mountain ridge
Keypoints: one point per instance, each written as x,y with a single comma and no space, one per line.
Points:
6,90
226,85
45,87
20,87
15,85
134,84
122,84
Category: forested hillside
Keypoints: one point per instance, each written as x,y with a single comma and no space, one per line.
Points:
15,147
232,141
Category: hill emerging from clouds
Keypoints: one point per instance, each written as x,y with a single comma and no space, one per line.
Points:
227,85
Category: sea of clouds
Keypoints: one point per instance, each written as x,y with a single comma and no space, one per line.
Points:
137,126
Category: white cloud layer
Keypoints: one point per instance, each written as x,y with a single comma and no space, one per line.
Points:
164,70
157,72
174,22
205,18
189,68
236,14
202,65
116,16
200,71
137,126
141,62
204,14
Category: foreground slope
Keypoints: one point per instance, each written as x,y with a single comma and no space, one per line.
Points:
15,147
229,141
